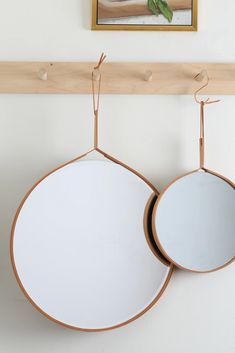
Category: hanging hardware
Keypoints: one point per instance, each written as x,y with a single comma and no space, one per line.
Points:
148,76
120,77
96,77
200,77
43,74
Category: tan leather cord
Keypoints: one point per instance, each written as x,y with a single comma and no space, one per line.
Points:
102,59
202,121
96,111
202,136
96,100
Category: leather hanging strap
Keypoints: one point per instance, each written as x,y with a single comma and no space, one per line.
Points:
202,127
96,98
102,59
202,130
202,136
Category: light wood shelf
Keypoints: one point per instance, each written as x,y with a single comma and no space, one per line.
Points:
117,77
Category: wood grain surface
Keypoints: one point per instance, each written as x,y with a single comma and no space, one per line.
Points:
117,77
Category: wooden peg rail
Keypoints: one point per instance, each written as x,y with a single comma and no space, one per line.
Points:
117,77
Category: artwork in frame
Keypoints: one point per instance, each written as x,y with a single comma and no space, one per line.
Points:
155,15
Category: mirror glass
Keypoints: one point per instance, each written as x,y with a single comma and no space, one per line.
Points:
79,247
194,222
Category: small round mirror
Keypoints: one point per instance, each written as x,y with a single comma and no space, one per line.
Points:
194,222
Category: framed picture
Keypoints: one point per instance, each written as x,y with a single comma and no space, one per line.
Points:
153,15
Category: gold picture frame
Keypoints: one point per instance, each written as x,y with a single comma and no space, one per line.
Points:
140,8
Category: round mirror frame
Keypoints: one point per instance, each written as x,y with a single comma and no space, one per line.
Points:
155,235
161,291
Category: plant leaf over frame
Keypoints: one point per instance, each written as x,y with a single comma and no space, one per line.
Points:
153,7
165,9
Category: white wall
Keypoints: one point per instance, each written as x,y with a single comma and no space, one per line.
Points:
156,135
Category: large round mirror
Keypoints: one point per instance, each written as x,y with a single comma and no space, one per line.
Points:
194,222
79,249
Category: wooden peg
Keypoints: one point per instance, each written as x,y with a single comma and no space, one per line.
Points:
148,76
200,76
42,74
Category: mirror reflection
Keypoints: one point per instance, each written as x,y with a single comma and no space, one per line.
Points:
194,222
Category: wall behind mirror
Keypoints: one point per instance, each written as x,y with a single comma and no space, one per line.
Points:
159,138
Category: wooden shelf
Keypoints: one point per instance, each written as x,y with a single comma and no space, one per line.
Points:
117,77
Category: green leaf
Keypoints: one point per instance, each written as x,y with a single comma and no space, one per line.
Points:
165,9
153,7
